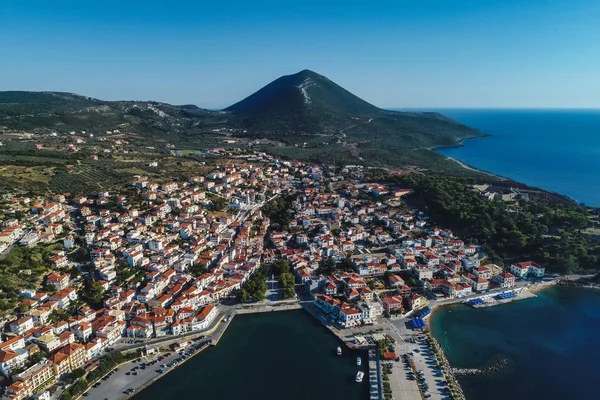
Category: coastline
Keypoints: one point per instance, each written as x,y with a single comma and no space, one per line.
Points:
473,169
501,178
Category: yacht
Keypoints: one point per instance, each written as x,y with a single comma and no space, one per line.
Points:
359,376
358,361
339,351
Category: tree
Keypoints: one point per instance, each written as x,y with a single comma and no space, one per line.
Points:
23,308
326,267
243,296
58,315
93,293
198,269
346,264
288,293
39,356
281,266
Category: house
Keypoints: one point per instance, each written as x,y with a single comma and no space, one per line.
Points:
349,316
82,331
13,343
506,280
76,355
396,280
204,318
527,268
58,281
413,301
48,342
477,283
21,325
482,272
11,360
392,304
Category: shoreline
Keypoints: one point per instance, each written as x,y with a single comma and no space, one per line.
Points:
473,169
525,186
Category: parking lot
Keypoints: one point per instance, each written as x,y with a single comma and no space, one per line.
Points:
404,385
134,375
428,373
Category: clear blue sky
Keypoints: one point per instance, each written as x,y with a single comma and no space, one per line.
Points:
424,53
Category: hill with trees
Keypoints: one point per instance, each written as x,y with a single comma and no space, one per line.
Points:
304,116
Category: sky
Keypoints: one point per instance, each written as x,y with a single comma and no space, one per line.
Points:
418,54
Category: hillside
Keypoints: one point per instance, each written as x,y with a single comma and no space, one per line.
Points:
46,111
304,116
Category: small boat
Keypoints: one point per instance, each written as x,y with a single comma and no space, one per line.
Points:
339,351
359,376
358,361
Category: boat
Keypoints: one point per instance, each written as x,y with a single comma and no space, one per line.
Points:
358,361
339,351
359,376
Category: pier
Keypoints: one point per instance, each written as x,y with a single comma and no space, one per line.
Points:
375,383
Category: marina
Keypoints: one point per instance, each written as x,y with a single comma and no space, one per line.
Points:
276,338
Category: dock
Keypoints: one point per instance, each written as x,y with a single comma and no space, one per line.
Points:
500,298
375,383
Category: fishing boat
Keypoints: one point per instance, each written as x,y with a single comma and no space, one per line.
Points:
360,376
339,351
358,361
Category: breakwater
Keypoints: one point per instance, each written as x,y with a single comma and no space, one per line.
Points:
447,369
494,367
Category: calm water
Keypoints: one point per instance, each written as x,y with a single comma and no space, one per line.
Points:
279,355
552,344
557,150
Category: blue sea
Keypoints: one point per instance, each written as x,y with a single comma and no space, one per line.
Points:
551,343
557,150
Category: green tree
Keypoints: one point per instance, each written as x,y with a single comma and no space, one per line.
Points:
243,296
281,266
58,315
93,293
288,293
37,357
198,269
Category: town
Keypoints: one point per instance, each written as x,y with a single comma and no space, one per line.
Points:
160,260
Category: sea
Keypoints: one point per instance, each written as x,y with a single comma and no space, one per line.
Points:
557,150
551,343
277,355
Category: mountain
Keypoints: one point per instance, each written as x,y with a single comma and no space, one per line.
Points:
303,92
309,104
